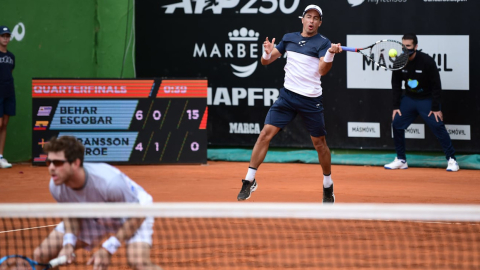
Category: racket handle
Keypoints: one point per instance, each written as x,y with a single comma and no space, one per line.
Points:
349,49
59,261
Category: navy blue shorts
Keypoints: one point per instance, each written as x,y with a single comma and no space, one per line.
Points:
289,104
7,106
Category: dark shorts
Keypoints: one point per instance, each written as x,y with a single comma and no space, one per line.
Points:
7,106
289,104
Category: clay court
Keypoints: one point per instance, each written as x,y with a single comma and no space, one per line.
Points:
220,181
216,243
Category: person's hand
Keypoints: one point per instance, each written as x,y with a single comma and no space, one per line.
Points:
395,112
100,259
69,252
268,46
438,115
335,48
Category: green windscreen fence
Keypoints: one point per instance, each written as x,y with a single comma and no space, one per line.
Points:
344,157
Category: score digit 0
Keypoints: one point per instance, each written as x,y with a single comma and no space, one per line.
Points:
194,146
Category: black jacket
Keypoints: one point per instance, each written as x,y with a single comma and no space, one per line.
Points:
422,80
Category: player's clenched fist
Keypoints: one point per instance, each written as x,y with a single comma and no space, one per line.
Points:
335,48
268,46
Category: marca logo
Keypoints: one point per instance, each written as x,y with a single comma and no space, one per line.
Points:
459,132
355,3
217,6
363,129
243,44
244,128
450,53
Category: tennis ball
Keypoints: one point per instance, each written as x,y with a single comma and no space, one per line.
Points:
392,53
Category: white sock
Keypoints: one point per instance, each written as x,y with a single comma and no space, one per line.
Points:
251,174
327,181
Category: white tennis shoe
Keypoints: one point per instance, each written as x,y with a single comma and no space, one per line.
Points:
452,165
396,164
4,163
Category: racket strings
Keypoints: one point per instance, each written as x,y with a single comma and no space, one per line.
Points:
380,54
15,263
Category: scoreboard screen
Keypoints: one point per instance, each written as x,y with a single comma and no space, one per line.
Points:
123,121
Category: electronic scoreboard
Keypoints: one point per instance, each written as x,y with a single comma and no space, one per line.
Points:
123,121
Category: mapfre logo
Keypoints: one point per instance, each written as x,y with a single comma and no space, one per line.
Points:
355,3
217,6
243,44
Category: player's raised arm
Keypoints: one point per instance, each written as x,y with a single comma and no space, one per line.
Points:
326,62
270,52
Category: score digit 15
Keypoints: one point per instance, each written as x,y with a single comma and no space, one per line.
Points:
193,114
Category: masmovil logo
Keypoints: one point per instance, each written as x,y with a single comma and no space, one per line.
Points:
355,3
243,44
218,6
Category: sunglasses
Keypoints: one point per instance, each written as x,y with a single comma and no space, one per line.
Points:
56,162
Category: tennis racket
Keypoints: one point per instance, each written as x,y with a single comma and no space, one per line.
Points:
378,53
22,262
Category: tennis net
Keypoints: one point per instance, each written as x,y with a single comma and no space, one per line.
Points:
268,235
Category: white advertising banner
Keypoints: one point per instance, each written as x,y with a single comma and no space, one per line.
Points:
459,132
364,129
451,53
414,131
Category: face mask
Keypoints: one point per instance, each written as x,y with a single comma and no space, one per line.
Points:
411,51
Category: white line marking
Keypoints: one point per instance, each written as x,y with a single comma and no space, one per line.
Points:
26,229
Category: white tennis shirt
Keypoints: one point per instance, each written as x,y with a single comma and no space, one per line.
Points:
104,183
303,58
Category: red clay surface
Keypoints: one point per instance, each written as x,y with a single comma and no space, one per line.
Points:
311,244
277,182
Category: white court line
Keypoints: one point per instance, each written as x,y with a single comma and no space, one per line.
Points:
26,229
427,222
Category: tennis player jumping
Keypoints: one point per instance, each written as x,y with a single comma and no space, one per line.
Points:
309,57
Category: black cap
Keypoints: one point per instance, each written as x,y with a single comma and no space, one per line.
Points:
4,30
